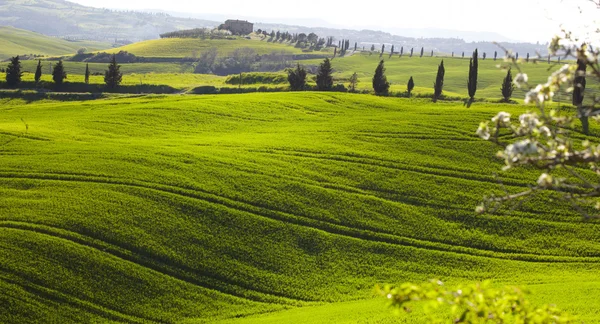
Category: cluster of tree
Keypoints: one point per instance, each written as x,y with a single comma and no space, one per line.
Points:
241,60
343,45
112,77
324,78
202,33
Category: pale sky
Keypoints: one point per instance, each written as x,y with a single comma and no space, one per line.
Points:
527,20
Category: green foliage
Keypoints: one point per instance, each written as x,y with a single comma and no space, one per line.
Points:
473,72
380,84
58,73
439,82
257,78
353,82
324,78
86,77
297,78
410,86
476,303
113,76
38,72
13,72
507,86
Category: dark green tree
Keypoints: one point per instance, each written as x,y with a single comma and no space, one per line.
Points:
431,53
113,76
87,73
439,82
13,72
324,78
380,83
372,47
353,82
495,55
58,73
38,72
401,51
411,51
355,46
410,86
472,82
297,78
392,51
422,51
507,86
578,89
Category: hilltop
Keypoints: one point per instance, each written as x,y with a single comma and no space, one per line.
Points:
264,207
22,42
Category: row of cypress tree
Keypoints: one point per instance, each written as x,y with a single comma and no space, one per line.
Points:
112,76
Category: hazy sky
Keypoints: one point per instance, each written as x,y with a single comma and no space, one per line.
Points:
529,20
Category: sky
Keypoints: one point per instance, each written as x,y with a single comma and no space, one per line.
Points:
524,20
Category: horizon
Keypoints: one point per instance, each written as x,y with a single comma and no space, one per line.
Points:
534,21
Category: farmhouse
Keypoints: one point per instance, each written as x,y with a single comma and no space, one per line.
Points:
238,27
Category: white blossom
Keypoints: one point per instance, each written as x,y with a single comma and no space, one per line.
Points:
502,119
520,78
483,131
545,180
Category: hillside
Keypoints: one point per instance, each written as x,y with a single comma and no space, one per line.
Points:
19,42
264,207
424,70
188,47
71,20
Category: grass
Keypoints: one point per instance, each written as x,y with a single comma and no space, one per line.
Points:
19,42
78,68
264,207
188,47
423,70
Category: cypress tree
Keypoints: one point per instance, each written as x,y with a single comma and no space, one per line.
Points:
13,72
58,73
527,59
410,86
507,86
578,89
422,51
380,83
431,53
401,51
355,46
297,78
392,51
495,55
113,76
439,82
38,72
324,78
411,51
472,82
87,73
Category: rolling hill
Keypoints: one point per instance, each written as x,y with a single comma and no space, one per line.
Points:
20,42
188,47
71,20
264,208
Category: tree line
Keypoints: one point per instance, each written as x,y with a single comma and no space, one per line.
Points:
324,79
14,74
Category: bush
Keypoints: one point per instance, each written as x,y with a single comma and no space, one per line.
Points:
204,90
254,78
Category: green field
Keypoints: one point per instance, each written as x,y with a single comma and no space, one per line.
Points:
423,70
187,47
19,42
78,68
283,207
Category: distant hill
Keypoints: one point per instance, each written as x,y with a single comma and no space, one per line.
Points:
73,21
70,20
189,47
22,42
